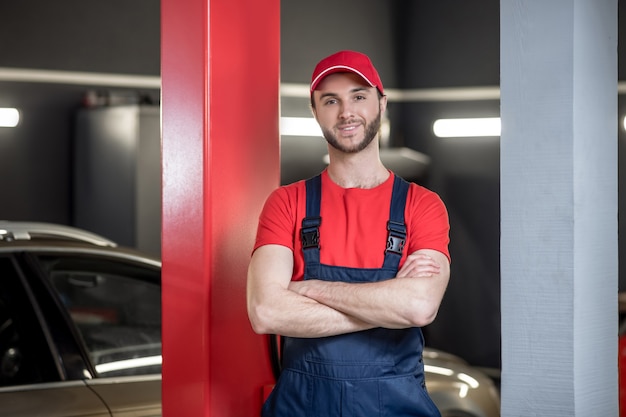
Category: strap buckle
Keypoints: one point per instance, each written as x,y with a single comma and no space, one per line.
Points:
396,238
310,232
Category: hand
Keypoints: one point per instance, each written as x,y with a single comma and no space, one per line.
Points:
419,265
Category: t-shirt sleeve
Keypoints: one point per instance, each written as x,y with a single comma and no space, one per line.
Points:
430,226
277,220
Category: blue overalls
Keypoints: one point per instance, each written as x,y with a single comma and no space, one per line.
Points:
371,373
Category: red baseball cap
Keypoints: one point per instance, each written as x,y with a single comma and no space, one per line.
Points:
347,61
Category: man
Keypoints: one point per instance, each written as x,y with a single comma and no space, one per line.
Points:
349,265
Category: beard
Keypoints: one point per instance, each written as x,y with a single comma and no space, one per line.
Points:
371,130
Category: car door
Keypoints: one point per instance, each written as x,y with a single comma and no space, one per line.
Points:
114,304
32,381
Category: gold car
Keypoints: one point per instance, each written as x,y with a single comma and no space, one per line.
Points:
80,325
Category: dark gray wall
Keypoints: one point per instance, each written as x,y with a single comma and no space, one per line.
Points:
415,44
310,30
451,43
117,36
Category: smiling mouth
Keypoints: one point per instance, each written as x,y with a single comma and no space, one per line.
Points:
348,128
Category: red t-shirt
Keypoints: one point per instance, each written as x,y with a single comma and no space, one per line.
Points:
353,231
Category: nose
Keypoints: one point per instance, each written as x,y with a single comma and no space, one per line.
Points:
347,110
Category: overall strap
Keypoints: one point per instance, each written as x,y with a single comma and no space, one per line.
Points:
310,231
396,228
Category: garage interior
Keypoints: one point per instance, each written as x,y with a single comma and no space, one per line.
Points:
63,64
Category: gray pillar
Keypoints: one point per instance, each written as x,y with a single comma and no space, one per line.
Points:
559,207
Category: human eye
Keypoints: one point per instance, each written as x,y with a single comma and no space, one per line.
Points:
360,95
330,101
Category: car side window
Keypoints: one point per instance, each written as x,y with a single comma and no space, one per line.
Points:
116,307
25,355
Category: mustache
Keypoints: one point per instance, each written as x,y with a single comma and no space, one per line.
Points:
348,123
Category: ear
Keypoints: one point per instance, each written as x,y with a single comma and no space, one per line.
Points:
383,104
314,111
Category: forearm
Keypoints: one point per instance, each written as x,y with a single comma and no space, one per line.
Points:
290,314
392,304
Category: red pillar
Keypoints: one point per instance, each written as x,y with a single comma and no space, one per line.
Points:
220,101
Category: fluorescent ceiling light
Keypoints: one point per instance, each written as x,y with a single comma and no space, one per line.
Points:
461,128
299,126
9,117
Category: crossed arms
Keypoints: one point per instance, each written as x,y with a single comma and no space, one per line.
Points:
315,308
